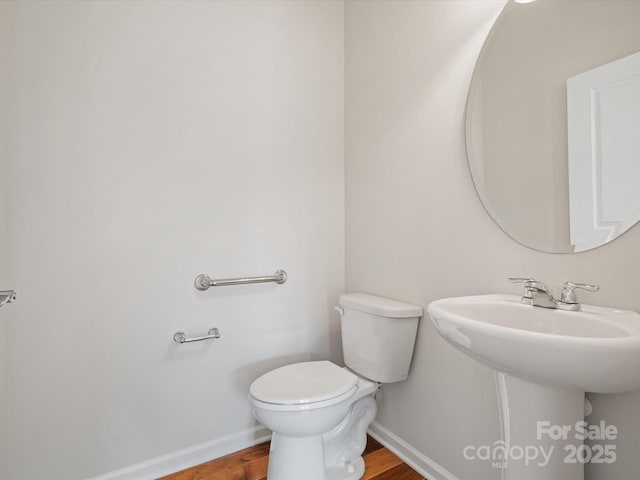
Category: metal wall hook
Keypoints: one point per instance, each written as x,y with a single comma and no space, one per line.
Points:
203,282
181,337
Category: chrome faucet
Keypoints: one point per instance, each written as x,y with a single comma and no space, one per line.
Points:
538,294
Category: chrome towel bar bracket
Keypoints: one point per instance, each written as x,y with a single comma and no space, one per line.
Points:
180,337
203,282
7,296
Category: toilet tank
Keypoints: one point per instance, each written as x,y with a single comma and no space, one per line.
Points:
378,336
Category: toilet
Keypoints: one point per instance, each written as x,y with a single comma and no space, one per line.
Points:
319,412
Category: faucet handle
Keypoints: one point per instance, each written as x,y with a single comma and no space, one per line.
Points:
569,296
521,279
529,283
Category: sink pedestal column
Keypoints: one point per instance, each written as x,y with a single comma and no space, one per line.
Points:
539,430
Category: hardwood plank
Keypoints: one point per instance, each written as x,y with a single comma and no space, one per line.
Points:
249,471
379,462
372,446
399,472
251,464
247,464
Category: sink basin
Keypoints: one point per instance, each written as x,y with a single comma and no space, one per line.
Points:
544,361
593,350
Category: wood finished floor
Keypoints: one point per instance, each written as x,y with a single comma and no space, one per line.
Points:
251,464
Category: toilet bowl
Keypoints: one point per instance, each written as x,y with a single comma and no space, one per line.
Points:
319,412
313,409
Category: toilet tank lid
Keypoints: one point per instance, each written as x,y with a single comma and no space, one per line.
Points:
383,307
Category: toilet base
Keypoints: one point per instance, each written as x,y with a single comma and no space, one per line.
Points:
353,471
295,458
304,459
336,455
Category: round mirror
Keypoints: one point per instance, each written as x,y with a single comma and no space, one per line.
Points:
553,122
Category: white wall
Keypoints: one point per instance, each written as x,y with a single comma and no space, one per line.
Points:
149,142
416,230
4,280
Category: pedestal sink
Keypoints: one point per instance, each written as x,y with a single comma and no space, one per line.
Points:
545,360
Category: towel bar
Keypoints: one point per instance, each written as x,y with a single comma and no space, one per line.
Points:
180,337
203,282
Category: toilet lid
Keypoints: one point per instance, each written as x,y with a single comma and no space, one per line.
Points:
301,383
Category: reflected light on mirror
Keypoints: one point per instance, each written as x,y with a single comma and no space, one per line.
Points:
524,1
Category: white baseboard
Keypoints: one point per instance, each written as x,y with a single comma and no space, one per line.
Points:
412,457
189,457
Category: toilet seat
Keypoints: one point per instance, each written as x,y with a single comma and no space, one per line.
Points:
303,386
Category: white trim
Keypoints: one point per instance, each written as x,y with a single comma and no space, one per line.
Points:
412,457
204,452
189,457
